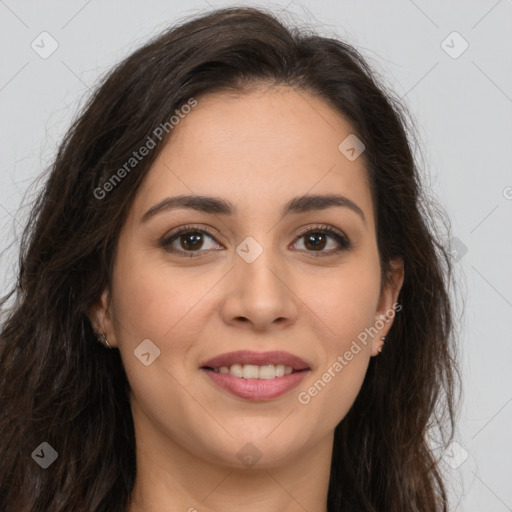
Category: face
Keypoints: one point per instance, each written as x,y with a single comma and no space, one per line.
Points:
287,285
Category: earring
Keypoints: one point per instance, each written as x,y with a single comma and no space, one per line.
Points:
103,340
382,346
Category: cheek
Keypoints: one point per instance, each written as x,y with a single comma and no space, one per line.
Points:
343,303
150,300
162,304
159,304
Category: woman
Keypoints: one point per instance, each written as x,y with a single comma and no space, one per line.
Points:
237,218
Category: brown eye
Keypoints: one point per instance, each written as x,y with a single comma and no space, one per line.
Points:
191,241
188,241
317,239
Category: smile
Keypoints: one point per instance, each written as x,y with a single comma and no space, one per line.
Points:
256,375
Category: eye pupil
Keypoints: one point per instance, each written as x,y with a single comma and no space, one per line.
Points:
320,240
194,237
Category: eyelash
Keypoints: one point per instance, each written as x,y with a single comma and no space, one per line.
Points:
338,236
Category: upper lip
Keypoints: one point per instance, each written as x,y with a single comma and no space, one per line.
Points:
257,358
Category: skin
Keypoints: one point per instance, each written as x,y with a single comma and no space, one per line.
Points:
257,150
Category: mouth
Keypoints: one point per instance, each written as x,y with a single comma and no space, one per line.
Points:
256,375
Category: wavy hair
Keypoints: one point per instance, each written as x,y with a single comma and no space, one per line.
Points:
58,385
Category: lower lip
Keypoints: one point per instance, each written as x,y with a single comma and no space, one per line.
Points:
257,389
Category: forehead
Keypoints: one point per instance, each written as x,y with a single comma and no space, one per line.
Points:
258,149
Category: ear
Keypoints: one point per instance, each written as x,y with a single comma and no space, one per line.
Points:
101,319
387,307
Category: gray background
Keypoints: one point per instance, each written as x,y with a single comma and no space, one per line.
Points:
462,107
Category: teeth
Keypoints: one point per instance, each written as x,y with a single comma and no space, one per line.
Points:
252,371
236,370
269,371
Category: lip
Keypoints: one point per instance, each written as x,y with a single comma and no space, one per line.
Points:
256,389
257,358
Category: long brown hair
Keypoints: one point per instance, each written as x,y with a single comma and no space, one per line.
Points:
59,386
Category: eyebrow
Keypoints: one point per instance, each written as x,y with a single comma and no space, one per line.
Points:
215,205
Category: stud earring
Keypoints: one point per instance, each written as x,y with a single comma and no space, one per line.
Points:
103,340
382,346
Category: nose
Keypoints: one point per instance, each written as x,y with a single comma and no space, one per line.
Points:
259,295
